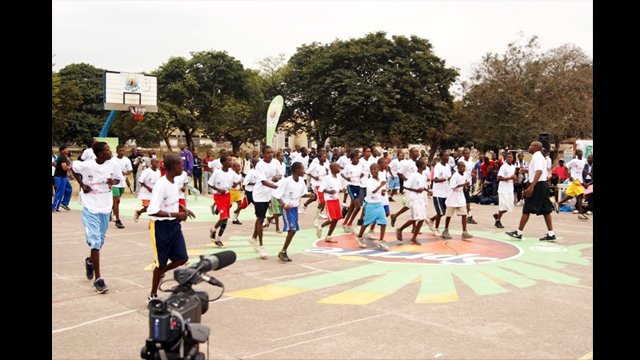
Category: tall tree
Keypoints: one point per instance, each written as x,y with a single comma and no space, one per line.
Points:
370,90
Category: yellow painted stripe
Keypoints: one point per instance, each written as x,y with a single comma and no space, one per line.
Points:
268,292
437,298
152,230
354,298
589,356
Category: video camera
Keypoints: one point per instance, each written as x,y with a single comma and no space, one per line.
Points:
175,331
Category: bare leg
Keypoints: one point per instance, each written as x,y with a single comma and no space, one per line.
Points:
94,257
525,218
547,221
287,241
158,272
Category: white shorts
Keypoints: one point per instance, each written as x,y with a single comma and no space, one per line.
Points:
452,211
418,209
505,202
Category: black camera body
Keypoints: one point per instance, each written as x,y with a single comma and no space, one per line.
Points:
175,331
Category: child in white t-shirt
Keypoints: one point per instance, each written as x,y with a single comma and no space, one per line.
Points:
146,181
288,193
374,213
414,187
331,186
456,202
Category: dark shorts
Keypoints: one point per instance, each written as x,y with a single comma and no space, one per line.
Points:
354,191
467,197
249,195
167,242
261,209
539,202
439,205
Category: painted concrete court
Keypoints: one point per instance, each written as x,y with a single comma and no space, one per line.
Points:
493,298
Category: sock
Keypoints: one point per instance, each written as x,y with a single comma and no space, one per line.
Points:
234,216
518,232
551,233
469,216
222,228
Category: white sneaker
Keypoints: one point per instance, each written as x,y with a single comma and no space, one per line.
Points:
370,235
432,227
345,228
329,239
589,212
322,216
383,245
361,242
318,231
575,211
262,252
254,244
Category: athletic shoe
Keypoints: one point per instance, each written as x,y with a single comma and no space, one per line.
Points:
583,217
369,236
548,238
361,242
499,224
119,224
330,240
398,235
318,231
575,211
218,243
278,231
212,233
514,234
89,268
445,234
383,245
322,216
466,235
254,244
282,255
470,220
262,252
237,222
136,216
100,286
495,217
65,207
589,212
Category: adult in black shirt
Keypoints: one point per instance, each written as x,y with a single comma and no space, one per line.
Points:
63,187
197,171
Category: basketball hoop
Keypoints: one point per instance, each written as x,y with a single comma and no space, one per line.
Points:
137,112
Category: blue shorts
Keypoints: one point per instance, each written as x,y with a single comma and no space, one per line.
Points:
374,213
393,183
290,219
354,192
167,242
386,210
95,228
439,205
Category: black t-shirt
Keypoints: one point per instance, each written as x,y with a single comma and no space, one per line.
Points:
197,166
59,171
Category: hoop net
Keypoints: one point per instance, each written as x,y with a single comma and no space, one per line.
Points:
137,112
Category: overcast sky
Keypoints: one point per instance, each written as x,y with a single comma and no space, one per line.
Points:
138,36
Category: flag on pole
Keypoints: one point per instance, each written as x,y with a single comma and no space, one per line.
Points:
273,115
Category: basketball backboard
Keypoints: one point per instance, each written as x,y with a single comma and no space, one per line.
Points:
123,90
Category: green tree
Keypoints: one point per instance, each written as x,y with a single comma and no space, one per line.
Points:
370,90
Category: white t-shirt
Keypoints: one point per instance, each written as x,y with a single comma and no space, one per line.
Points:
468,167
441,189
366,166
575,167
223,180
456,196
237,178
330,183
343,161
251,177
181,180
301,159
415,181
353,172
382,175
394,165
290,191
165,197
371,185
538,163
99,200
266,171
125,166
215,165
321,171
407,167
88,154
547,161
506,170
149,178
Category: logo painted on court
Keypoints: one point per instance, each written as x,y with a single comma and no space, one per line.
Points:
432,251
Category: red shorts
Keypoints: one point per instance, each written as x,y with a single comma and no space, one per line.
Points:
320,195
145,202
223,204
182,202
334,209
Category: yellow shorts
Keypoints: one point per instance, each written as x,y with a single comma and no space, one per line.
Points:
575,189
236,195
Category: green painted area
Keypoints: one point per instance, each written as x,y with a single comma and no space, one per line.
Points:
507,276
479,283
538,272
437,286
336,278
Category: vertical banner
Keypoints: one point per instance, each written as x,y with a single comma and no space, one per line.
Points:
273,115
